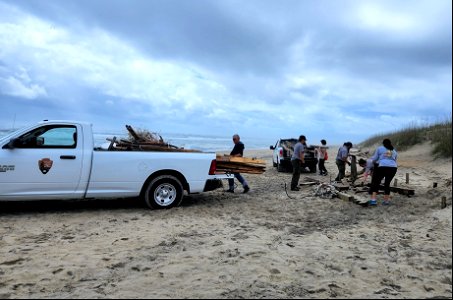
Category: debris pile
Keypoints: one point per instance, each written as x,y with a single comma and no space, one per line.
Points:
232,164
326,190
349,191
143,140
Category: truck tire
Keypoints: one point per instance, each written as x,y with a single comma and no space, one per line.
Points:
164,191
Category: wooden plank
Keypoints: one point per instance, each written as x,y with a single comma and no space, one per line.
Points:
341,187
235,164
353,168
313,180
239,171
308,183
236,159
345,197
219,166
400,190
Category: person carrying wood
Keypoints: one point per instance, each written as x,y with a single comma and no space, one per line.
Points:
237,151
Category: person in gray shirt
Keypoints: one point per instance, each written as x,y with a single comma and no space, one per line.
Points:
342,160
298,160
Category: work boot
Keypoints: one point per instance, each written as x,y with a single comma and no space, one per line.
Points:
246,189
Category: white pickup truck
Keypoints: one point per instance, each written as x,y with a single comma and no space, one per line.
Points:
57,160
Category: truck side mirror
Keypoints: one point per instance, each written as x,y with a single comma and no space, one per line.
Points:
272,147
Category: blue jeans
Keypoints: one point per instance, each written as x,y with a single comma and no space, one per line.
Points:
238,177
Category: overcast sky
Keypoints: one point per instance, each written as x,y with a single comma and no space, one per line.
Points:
339,70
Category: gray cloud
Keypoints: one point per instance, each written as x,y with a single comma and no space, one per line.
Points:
264,57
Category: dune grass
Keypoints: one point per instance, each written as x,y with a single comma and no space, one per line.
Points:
439,134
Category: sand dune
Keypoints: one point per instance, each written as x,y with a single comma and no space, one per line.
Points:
219,245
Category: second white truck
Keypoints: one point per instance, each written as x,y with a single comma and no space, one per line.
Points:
57,160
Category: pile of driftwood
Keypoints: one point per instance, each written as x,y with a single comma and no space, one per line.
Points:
144,140
232,164
350,191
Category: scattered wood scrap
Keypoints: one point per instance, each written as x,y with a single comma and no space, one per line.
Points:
354,190
232,164
402,191
144,140
345,197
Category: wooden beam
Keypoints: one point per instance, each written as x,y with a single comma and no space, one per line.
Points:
345,197
313,180
341,187
245,160
403,191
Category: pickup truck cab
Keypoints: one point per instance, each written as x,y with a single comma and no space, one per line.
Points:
57,160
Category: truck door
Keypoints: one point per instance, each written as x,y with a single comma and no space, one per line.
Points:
44,163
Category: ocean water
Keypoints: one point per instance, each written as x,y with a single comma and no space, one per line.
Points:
203,143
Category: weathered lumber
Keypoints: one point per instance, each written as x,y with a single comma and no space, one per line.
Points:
232,164
345,197
220,171
399,190
133,133
308,183
236,159
239,168
313,180
341,187
353,168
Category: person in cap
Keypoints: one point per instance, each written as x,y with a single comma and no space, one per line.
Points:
238,151
298,160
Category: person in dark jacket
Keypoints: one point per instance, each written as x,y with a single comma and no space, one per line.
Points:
237,151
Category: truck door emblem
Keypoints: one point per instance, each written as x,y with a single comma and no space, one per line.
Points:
45,164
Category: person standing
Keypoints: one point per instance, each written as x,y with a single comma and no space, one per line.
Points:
298,160
238,151
342,160
385,156
322,154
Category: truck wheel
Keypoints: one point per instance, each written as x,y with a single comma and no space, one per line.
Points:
164,192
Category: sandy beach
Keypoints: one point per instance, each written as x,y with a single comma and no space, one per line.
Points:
263,244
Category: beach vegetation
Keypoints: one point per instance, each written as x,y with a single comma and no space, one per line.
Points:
438,133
